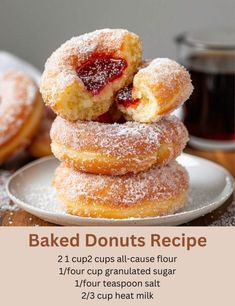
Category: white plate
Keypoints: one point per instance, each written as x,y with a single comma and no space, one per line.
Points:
30,188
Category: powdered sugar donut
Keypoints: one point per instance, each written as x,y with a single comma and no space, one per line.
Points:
161,86
156,192
82,76
21,109
116,149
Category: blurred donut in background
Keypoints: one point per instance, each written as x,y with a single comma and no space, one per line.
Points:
21,110
41,144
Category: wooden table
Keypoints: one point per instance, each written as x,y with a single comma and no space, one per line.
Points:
224,216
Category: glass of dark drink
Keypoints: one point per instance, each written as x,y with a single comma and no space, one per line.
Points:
209,114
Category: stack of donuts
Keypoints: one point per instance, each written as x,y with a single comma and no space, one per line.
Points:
113,133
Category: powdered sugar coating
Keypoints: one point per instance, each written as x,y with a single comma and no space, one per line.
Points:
159,87
5,202
98,72
169,76
156,184
17,98
60,68
120,140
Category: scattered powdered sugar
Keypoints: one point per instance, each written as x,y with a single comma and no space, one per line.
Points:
42,197
199,198
227,218
5,202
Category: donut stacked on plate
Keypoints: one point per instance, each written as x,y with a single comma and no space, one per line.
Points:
113,133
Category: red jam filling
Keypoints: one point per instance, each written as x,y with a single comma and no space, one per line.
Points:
98,72
124,97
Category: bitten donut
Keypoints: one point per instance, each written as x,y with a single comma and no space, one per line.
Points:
116,149
82,76
158,88
21,109
156,192
41,144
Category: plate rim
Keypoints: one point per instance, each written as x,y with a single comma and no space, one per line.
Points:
166,218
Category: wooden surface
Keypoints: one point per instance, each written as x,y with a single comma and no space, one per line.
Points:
226,159
225,215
